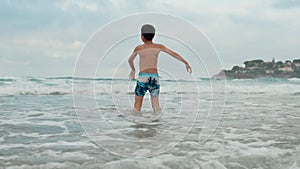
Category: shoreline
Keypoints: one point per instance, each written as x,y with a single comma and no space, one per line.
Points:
256,69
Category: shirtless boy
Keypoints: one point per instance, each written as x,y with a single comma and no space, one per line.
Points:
148,75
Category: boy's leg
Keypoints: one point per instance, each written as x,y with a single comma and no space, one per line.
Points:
154,92
138,103
140,91
155,104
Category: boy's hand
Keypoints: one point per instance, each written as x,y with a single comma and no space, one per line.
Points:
188,68
132,75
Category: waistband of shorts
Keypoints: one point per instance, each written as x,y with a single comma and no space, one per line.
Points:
142,74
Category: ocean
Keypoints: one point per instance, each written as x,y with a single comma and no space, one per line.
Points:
65,122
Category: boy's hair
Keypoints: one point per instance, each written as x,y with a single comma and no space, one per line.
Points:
148,31
148,36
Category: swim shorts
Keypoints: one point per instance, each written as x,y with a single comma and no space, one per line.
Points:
147,81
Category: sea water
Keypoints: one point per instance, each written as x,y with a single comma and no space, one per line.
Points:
205,123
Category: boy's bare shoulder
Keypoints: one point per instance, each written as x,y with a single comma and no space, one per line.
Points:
137,48
160,46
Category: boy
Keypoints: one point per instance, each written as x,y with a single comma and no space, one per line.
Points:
148,74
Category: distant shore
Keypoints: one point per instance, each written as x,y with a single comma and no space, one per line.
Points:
263,69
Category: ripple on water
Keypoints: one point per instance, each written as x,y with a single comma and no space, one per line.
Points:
33,128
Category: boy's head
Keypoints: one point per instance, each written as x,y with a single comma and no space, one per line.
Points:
148,31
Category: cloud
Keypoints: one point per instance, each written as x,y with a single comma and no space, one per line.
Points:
57,29
69,4
36,47
286,4
6,61
53,44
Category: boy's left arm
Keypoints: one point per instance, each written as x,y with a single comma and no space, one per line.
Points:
177,56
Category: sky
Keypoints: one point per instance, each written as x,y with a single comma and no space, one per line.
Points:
44,38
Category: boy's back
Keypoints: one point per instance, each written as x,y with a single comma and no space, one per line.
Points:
148,57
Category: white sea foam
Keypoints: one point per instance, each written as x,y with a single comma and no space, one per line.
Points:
294,79
159,162
258,129
51,165
295,166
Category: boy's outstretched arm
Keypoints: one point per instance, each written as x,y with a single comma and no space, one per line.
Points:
130,61
177,56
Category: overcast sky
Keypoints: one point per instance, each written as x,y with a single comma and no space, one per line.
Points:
44,38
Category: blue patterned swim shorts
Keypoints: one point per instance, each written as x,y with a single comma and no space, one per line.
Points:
148,82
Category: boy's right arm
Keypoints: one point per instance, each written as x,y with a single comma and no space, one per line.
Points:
130,61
